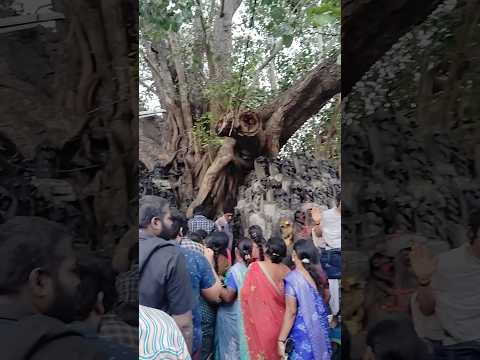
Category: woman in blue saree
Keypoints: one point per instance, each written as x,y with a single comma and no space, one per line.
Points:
229,327
305,323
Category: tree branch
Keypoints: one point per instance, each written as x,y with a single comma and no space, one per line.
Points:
370,28
182,82
276,49
288,112
222,39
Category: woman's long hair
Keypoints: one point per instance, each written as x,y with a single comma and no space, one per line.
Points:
245,247
218,242
309,256
256,235
276,250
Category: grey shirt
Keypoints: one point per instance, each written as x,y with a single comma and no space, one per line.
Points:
164,278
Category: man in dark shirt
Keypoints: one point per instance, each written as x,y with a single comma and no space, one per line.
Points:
38,286
164,279
95,299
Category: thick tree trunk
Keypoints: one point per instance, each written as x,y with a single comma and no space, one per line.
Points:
263,131
371,27
85,107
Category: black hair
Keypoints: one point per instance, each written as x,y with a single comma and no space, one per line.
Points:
298,213
27,243
310,257
256,235
151,206
183,224
218,242
228,209
474,225
200,210
96,275
276,250
255,231
245,247
396,340
179,222
202,233
195,237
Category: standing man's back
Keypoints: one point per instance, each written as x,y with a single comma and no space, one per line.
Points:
164,279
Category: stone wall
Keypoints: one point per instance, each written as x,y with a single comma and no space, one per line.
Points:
276,188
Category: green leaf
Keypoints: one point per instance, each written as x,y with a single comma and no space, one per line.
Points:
319,20
287,40
278,14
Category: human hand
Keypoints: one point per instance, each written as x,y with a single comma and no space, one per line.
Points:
423,263
316,215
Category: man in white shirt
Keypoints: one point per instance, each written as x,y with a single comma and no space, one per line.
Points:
159,336
449,288
329,227
223,223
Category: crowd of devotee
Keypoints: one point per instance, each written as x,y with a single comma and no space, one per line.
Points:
422,300
237,298
179,288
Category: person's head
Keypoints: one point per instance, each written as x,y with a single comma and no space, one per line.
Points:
97,293
255,232
154,216
195,237
395,340
200,210
218,242
300,217
38,267
228,212
244,251
305,255
179,225
276,250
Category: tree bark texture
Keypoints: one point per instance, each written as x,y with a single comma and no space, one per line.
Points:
86,112
371,27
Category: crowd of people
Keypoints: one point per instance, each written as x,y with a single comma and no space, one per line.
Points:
59,302
432,310
236,298
189,289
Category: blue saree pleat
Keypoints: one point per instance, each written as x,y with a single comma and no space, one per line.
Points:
310,332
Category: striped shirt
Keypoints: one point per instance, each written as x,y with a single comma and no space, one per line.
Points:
160,337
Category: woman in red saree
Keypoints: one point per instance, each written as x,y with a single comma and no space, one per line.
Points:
262,302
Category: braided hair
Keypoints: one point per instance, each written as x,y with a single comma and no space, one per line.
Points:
245,247
310,258
256,234
218,242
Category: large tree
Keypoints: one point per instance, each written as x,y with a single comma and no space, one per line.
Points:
236,80
71,115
